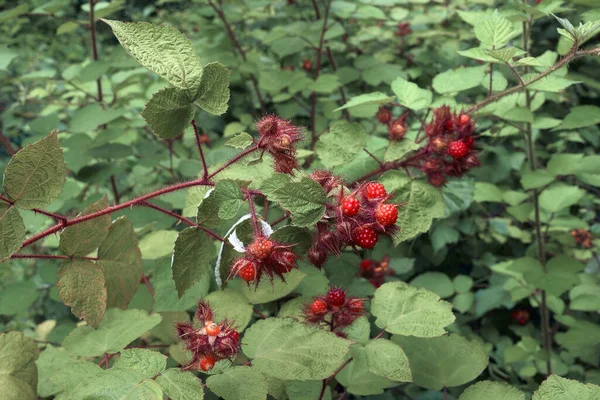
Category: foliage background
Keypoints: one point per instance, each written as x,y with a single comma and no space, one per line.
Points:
479,256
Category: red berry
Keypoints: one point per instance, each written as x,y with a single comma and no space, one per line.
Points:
521,317
365,237
384,115
386,214
206,363
307,64
261,248
247,271
375,190
318,307
234,335
356,306
469,141
336,297
397,129
366,264
457,149
449,125
464,119
437,179
350,206
212,329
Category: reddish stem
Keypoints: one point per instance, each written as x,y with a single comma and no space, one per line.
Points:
52,256
234,160
199,143
37,210
148,285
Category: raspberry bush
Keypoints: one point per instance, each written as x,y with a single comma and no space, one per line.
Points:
299,200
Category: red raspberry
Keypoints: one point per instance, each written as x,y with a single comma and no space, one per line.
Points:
247,271
350,206
384,115
318,307
457,149
206,363
375,190
261,248
464,119
521,317
336,297
386,214
356,306
366,264
365,237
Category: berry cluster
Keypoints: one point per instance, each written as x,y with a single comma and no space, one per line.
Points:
278,138
450,150
396,128
582,237
264,256
210,342
334,310
375,271
356,219
521,317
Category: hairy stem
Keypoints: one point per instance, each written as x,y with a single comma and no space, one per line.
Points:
199,143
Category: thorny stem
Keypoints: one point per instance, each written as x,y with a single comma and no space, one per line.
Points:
199,143
541,253
257,230
238,46
37,210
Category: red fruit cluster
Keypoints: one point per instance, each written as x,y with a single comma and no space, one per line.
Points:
403,29
521,317
582,237
384,115
208,341
278,138
375,271
450,150
264,257
355,219
335,310
307,64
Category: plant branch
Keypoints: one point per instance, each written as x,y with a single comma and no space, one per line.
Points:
6,143
199,143
37,210
328,380
341,88
94,48
52,256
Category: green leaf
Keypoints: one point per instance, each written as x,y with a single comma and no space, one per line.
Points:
462,283
12,231
86,341
421,203
368,98
410,95
116,383
157,244
494,31
559,197
558,388
443,361
387,359
192,255
169,112
34,177
223,203
405,310
436,282
181,385
240,141
504,55
287,349
52,363
487,192
560,274
492,391
458,80
580,117
18,371
397,150
121,261
147,362
358,379
536,179
85,237
239,383
231,305
267,291
163,50
342,144
213,93
305,200
17,298
359,331
81,286
306,390
88,118
165,294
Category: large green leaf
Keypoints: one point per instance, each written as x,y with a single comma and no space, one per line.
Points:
410,95
34,177
343,142
559,197
239,383
443,361
129,324
492,391
81,285
580,117
169,112
192,256
494,31
147,362
213,93
560,274
287,349
558,388
387,359
85,237
267,291
18,371
121,261
406,310
305,200
165,293
222,203
357,377
12,231
231,305
458,79
367,98
116,383
181,385
163,50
